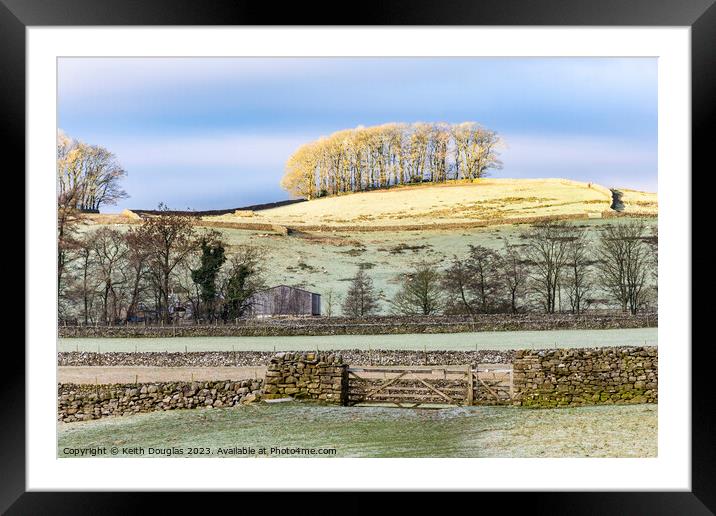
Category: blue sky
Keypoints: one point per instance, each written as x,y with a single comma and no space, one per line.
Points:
211,133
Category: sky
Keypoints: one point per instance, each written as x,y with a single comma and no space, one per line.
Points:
215,133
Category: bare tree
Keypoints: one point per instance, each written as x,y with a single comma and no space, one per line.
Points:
67,213
515,273
109,248
457,282
475,150
88,177
88,174
484,264
474,284
547,255
361,299
625,264
135,271
85,286
577,276
168,238
653,241
421,292
364,158
67,239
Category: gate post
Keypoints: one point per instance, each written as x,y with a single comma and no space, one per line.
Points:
344,384
470,385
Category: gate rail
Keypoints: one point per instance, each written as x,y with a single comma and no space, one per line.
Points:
421,385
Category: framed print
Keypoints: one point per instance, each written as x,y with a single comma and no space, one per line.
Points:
429,251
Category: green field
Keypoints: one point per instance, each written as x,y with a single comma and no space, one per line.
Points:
432,341
601,431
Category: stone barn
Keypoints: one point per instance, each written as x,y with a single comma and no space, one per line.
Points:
285,300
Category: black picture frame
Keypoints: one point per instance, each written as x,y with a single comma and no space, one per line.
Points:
700,15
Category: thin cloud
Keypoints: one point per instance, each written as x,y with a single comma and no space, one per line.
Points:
228,150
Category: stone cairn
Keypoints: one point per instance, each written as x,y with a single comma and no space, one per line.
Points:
307,376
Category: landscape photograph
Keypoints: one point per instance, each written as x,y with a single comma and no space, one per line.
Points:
357,257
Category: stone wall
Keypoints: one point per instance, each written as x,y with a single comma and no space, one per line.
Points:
543,378
573,377
376,325
84,402
307,376
374,357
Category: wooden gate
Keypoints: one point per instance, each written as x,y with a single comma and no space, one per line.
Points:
410,386
493,384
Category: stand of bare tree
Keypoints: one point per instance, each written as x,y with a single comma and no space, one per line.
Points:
88,176
365,158
625,263
158,271
559,268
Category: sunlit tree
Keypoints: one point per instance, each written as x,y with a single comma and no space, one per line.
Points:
364,158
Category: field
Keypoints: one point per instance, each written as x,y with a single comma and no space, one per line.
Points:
325,261
602,431
453,202
329,240
639,202
436,341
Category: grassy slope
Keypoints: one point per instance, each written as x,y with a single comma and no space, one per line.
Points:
603,431
637,202
484,200
326,261
322,261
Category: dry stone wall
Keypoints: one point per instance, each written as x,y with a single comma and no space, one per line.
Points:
573,377
543,378
307,376
375,357
85,402
389,325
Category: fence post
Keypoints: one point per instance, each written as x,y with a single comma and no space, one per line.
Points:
470,385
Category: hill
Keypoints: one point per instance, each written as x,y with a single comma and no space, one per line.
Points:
367,230
459,204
